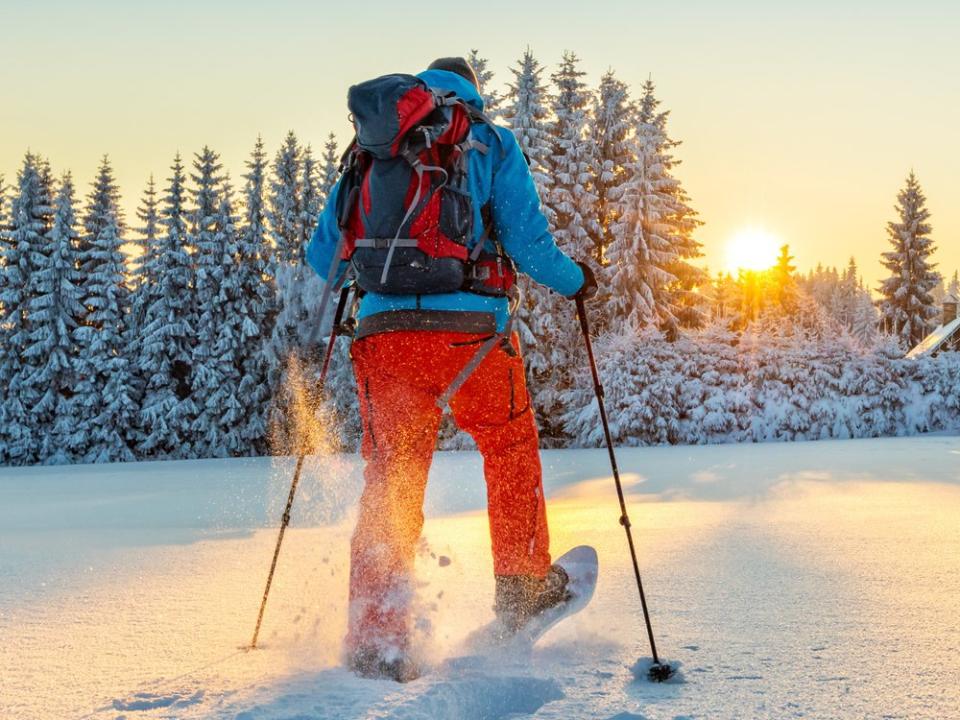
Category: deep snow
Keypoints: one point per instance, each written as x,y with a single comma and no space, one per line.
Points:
814,580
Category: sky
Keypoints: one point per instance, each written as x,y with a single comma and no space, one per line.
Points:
800,121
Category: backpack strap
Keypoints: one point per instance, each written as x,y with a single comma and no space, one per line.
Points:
345,205
479,116
419,168
444,400
480,263
478,248
471,143
475,115
331,286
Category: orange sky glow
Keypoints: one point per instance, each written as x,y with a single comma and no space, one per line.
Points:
800,121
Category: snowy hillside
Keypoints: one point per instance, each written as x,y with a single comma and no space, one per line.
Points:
812,580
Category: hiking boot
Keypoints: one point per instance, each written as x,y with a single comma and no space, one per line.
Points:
369,662
521,597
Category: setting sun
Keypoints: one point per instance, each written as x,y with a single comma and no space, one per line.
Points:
752,248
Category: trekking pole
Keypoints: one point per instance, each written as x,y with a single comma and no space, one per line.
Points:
659,671
334,332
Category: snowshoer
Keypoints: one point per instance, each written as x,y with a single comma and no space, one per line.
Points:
434,212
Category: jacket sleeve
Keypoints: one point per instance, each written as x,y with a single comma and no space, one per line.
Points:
521,226
323,243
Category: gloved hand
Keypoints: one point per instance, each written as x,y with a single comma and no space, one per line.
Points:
589,287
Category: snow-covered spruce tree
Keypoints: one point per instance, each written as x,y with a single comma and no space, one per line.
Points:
846,296
311,199
755,296
254,304
953,288
610,130
144,286
906,308
526,111
4,229
784,281
214,379
144,289
285,208
641,253
3,210
205,239
682,220
838,293
571,205
650,278
25,249
864,320
297,289
572,163
55,313
726,301
491,98
104,401
821,283
939,291
229,411
166,342
286,222
329,169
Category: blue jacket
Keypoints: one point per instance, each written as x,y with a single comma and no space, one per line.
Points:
504,179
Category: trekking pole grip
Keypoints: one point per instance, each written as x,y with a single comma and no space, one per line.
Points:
585,330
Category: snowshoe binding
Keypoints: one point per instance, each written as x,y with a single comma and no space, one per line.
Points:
522,597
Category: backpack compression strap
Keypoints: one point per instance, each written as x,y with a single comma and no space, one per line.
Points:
419,168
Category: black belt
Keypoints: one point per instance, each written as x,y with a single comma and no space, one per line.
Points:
465,321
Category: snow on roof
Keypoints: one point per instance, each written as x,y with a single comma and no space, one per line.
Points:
935,339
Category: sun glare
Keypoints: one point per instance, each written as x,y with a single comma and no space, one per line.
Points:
752,248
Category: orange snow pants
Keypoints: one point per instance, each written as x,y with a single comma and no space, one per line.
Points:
399,377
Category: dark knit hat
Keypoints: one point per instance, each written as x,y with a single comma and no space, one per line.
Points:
456,65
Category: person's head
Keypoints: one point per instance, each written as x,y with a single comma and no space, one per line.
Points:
456,65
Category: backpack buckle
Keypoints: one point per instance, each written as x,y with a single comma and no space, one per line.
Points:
480,272
445,100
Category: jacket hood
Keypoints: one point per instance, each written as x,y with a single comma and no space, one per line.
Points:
446,80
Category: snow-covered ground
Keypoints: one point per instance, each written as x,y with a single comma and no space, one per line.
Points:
815,580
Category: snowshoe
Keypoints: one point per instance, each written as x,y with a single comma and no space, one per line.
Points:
527,610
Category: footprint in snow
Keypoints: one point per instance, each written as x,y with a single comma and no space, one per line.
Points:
151,701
